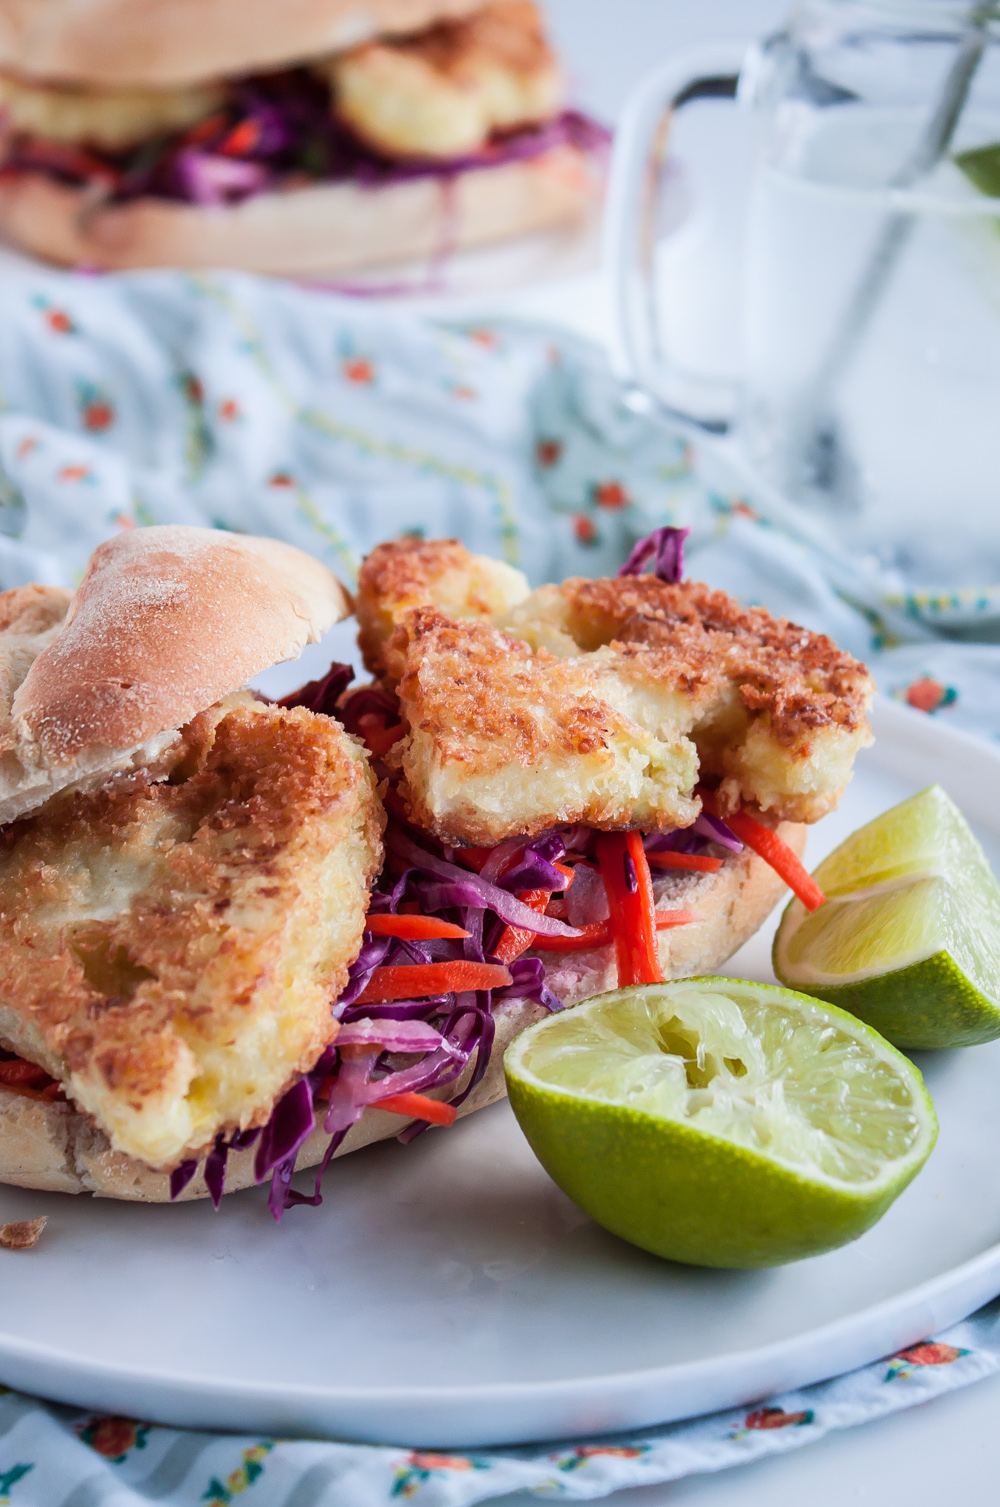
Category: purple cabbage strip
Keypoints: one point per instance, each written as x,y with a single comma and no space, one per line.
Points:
322,695
631,877
215,1169
290,1125
716,830
665,547
181,1176
392,1035
506,906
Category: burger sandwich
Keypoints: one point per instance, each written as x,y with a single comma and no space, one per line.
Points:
239,939
311,138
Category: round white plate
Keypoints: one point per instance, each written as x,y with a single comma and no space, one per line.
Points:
447,1293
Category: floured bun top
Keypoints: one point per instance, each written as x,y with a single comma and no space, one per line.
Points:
165,623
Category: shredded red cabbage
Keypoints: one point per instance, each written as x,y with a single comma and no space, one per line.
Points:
322,695
276,130
665,547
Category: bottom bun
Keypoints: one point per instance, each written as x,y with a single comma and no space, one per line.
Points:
55,1148
310,231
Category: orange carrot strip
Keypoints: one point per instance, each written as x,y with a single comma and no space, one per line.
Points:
379,738
419,1107
28,1074
598,933
517,939
702,864
413,928
633,927
769,846
415,980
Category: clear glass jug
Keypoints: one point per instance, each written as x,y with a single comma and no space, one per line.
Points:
870,394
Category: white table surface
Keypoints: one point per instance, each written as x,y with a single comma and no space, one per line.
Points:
947,1450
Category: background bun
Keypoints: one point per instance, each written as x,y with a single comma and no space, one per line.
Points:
53,1147
318,230
184,41
165,623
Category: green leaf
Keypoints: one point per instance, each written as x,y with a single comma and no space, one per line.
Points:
982,168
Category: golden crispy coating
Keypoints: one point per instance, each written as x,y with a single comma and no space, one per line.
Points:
171,951
443,92
791,712
409,572
506,741
773,713
111,119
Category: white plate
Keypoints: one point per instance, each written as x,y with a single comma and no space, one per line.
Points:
448,1294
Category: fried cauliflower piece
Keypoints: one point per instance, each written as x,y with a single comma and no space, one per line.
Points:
502,740
409,572
772,712
791,713
442,93
170,952
112,119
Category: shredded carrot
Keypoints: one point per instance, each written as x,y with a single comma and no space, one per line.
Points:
419,1107
517,939
27,1073
598,933
241,139
413,928
702,864
568,874
416,980
768,845
633,927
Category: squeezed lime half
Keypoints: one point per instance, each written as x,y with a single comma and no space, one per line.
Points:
719,1122
909,937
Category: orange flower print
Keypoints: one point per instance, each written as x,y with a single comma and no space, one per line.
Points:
193,390
484,337
75,473
113,1438
25,446
926,1353
584,529
359,370
585,1452
928,695
59,321
281,479
229,410
463,392
548,452
122,521
98,416
743,509
424,1461
776,1418
611,494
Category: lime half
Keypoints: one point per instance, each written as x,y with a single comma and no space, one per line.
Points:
909,938
719,1122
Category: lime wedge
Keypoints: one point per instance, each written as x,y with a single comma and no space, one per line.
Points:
909,938
719,1122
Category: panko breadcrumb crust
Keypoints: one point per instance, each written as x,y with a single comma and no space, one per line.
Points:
171,952
632,689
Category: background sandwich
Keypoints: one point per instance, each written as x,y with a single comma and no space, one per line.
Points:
305,139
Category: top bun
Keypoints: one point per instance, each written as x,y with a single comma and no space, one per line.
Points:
165,623
170,42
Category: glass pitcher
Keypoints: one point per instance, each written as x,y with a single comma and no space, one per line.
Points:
869,402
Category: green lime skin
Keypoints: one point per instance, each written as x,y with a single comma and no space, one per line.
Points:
923,1007
651,1180
720,1122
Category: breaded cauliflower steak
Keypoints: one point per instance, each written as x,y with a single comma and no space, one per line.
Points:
790,709
502,740
441,94
170,952
409,572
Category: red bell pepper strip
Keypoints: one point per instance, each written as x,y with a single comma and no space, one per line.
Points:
415,980
598,933
473,858
702,864
633,926
418,1107
412,928
379,738
769,846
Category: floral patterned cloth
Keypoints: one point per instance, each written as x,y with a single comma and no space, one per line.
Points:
58,1457
256,406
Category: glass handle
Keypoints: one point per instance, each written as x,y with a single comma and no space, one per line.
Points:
710,72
